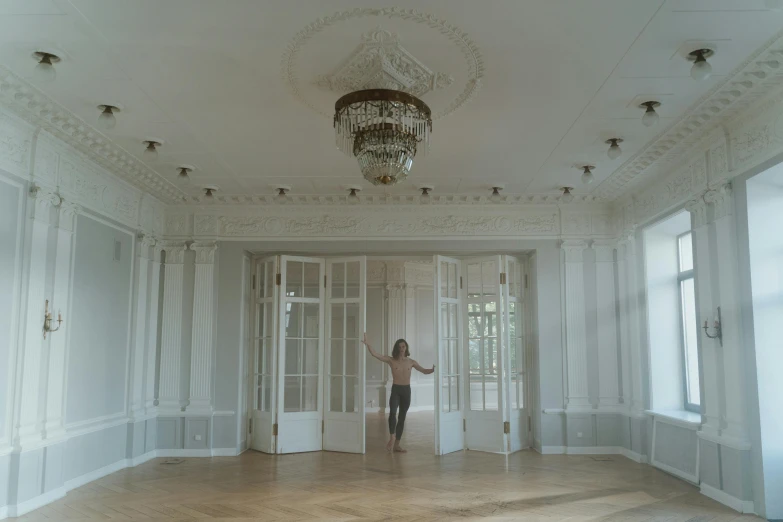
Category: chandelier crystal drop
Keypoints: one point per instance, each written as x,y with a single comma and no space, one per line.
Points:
384,130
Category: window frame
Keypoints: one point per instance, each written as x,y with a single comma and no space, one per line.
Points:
682,276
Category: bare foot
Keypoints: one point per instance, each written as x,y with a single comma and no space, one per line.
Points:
390,444
398,449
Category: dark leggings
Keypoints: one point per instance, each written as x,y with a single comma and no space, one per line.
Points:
400,397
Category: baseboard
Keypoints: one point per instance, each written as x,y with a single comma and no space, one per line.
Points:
636,457
743,506
35,502
96,474
553,450
225,452
593,450
216,452
412,409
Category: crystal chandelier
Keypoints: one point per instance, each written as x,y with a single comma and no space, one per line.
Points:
383,129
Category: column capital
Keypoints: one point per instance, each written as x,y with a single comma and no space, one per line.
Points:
145,242
698,210
42,202
68,213
205,252
396,289
175,252
604,249
574,249
721,200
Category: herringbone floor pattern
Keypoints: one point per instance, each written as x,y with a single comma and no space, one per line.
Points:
416,486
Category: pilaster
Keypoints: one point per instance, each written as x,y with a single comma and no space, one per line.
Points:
59,345
410,320
625,337
203,329
171,336
28,430
633,315
608,375
152,327
140,337
577,397
727,297
710,400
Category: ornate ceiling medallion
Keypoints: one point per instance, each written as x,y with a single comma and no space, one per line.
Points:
383,129
380,61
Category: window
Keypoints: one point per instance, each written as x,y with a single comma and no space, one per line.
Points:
689,327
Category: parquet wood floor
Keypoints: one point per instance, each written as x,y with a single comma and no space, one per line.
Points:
416,486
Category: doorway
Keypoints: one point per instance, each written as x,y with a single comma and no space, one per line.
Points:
309,386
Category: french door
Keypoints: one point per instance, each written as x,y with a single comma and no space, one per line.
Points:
308,360
449,394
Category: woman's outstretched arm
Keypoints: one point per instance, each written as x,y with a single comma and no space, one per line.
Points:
425,371
382,358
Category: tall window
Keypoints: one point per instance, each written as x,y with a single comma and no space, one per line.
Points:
690,325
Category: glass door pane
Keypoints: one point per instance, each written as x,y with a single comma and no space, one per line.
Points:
264,358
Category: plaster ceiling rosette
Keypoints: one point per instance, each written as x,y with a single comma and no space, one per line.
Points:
390,48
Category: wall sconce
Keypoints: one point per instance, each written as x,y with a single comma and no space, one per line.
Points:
717,327
47,327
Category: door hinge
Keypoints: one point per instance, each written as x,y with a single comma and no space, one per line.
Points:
525,281
278,279
502,278
506,427
274,429
464,425
254,282
460,282
250,425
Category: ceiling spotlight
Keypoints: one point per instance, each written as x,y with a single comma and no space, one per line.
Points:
567,197
107,120
701,69
774,5
495,197
151,152
44,71
183,172
281,193
587,174
650,117
614,148
425,197
353,196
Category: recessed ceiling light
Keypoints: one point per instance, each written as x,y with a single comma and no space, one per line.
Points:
650,117
151,151
614,148
107,120
701,69
496,197
587,174
44,71
567,197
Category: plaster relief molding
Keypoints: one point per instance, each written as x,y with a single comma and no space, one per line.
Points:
698,210
43,201
745,85
574,250
576,335
199,203
175,252
609,377
37,109
471,53
67,217
171,332
205,252
145,243
395,272
205,225
16,137
151,215
721,201
376,272
604,250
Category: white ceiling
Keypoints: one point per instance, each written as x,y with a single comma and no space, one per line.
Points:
209,79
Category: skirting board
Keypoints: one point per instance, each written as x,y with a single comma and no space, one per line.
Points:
594,450
58,493
412,409
743,506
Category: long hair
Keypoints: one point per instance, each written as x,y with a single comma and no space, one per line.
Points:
396,349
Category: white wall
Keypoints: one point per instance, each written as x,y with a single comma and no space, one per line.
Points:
99,326
765,215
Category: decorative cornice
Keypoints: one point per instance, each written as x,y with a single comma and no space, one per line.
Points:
39,110
43,201
470,51
388,200
205,252
755,77
698,210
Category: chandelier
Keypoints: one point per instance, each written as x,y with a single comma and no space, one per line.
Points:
383,129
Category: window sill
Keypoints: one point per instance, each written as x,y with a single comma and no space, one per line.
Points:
686,419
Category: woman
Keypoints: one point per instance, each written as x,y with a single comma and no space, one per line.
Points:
400,396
